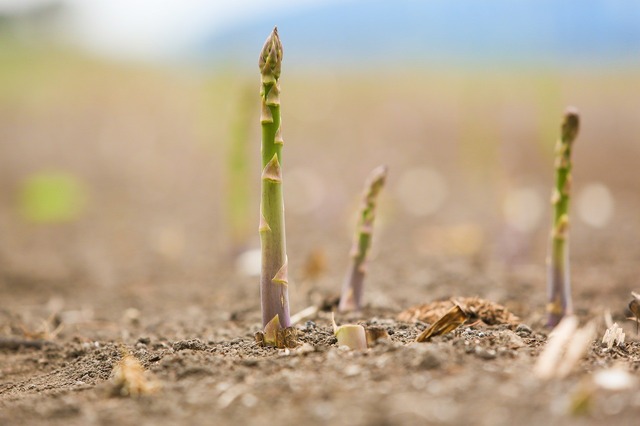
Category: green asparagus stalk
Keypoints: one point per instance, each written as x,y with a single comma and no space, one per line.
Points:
273,278
558,278
351,298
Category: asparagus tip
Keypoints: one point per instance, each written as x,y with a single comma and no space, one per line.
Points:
270,61
571,124
379,173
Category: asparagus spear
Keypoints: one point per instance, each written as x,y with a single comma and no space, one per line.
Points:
351,298
558,279
273,278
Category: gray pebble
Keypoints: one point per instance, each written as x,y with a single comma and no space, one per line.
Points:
523,329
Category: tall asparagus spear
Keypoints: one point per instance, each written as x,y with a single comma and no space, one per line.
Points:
273,278
558,278
351,298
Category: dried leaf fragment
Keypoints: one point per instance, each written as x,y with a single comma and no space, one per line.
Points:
449,322
634,307
375,333
278,337
613,336
566,346
129,378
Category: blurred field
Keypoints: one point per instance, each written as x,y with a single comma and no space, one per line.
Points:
127,193
149,149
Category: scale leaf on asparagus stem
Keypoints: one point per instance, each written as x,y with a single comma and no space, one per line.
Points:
558,280
351,297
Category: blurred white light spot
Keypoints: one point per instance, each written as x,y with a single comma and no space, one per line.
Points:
421,191
249,263
615,378
522,209
595,205
305,191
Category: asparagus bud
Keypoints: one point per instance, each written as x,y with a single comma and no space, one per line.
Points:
351,298
352,336
558,279
273,278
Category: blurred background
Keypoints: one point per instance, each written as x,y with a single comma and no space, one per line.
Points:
129,146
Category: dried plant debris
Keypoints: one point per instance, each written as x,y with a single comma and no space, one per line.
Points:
49,329
634,307
274,335
304,314
449,322
129,378
613,336
474,307
16,343
375,333
566,346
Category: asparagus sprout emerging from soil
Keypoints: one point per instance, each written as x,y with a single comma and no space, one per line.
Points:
351,297
559,285
273,278
352,336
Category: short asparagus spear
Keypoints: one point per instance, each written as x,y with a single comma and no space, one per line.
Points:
351,297
273,277
558,279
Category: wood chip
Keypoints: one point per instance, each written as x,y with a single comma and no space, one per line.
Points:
449,322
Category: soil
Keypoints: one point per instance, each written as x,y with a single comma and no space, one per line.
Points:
147,270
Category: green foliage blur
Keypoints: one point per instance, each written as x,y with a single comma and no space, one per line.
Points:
52,197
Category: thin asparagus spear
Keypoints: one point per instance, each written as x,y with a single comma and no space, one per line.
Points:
559,284
273,278
351,298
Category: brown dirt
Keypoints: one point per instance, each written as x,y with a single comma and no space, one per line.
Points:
148,270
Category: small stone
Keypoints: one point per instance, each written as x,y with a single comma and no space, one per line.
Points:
510,339
523,329
193,344
485,353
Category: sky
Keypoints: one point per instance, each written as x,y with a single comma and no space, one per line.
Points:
400,31
154,27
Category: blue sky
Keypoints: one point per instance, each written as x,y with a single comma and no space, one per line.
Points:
154,27
356,31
